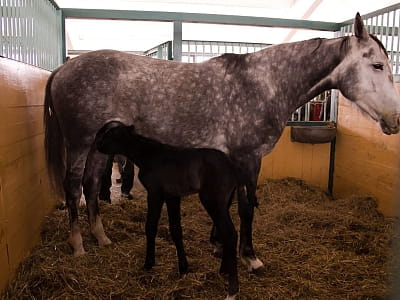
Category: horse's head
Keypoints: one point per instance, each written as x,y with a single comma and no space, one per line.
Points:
364,76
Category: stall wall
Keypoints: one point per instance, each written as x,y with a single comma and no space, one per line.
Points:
309,162
25,196
366,160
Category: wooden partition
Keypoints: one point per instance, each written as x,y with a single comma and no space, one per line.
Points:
25,195
309,162
366,160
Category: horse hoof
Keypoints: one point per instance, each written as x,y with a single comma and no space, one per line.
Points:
218,250
231,297
217,253
126,196
104,241
79,252
147,266
254,265
105,199
184,269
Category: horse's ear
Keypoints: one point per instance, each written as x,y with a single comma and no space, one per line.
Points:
359,29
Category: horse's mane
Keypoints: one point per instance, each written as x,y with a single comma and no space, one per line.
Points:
345,44
379,43
232,61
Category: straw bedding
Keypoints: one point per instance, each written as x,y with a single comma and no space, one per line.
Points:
313,247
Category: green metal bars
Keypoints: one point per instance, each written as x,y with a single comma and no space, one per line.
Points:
30,31
384,24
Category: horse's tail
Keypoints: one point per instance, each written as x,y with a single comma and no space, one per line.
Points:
53,141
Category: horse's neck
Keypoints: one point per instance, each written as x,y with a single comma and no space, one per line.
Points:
143,150
300,70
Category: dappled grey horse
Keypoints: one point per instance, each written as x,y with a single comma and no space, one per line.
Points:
237,103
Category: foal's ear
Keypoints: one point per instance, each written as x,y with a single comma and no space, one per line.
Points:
131,129
359,29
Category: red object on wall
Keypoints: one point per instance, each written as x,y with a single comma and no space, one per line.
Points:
316,111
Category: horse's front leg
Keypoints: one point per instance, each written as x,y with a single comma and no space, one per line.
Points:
94,170
249,165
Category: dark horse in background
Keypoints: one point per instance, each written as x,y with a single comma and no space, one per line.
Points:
238,104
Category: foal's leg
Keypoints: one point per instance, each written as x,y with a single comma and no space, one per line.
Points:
175,228
94,169
76,158
215,239
217,206
250,166
154,206
127,177
106,183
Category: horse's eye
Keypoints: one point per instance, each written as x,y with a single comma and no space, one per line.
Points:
378,66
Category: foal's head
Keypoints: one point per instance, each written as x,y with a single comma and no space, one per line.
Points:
114,137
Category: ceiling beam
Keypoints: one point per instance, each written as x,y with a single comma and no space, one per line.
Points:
306,15
105,14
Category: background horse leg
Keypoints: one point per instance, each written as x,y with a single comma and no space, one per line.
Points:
249,165
175,229
73,190
95,165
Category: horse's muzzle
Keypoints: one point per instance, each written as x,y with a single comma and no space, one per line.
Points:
390,125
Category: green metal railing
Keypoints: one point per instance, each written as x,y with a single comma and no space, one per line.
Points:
30,31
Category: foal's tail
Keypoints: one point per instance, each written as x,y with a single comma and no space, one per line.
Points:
53,141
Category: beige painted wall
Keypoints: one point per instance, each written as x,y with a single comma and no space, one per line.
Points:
25,197
291,159
366,160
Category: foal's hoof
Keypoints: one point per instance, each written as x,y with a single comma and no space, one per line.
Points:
148,267
148,264
183,269
218,250
254,265
217,253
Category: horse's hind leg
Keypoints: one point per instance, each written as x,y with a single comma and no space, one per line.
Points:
94,169
249,166
246,213
73,190
175,228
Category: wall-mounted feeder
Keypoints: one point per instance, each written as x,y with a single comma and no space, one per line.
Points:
313,134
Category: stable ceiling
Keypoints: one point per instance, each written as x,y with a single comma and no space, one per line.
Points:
139,36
